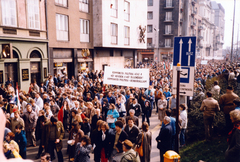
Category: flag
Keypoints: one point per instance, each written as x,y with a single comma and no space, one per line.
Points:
164,66
17,97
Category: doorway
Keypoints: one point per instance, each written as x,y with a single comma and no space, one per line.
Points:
35,72
11,71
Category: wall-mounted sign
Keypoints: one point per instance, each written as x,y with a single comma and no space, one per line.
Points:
45,73
58,64
25,74
1,77
34,67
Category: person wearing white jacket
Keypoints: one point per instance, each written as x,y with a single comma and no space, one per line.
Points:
183,115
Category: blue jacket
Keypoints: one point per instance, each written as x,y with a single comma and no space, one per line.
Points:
173,124
115,115
21,141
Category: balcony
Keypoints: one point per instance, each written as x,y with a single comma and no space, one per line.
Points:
193,24
169,6
200,27
194,12
168,20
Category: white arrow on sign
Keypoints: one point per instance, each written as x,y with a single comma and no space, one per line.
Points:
189,51
180,54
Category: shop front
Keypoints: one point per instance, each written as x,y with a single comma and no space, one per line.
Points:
23,62
167,56
85,59
146,55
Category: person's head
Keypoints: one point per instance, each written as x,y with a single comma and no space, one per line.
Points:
127,145
73,112
236,102
104,126
37,95
98,124
229,89
182,107
45,157
16,113
168,112
10,136
78,118
215,82
6,147
209,94
18,128
235,116
134,101
41,112
166,120
131,112
53,120
85,140
145,126
130,121
118,125
29,108
109,94
89,105
112,106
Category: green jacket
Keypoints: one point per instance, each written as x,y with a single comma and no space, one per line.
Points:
59,135
130,156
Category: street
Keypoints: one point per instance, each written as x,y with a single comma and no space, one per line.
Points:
154,127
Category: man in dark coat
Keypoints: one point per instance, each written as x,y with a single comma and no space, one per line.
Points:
52,136
131,130
120,136
164,137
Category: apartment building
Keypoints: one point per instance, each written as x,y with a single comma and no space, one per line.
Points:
70,35
168,27
119,32
23,39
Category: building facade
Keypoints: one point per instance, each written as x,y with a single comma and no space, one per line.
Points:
168,27
119,32
152,52
23,39
70,35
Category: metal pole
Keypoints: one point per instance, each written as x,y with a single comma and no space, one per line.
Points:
233,30
237,43
177,106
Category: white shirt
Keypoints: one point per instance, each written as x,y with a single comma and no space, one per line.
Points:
39,102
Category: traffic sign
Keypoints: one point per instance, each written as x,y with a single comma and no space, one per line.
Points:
185,54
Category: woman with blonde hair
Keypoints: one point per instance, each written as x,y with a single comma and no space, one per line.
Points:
232,152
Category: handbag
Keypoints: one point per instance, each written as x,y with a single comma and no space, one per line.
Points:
139,149
110,120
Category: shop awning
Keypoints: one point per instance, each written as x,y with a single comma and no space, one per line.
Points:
147,53
62,60
85,60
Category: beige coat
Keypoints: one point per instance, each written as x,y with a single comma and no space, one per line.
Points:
210,107
226,101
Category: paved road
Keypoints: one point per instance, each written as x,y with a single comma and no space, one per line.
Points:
154,127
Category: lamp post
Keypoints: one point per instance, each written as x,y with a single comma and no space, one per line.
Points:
233,30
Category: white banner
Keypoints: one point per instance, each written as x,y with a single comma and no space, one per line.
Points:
126,77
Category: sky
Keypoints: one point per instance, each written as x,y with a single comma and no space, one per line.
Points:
229,6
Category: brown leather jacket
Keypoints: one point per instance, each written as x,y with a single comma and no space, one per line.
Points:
226,101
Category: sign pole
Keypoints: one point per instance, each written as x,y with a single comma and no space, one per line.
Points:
177,107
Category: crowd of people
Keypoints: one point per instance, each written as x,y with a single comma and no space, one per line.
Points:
105,118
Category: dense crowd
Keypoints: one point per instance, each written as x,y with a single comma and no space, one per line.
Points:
105,118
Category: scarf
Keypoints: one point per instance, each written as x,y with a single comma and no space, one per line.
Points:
235,126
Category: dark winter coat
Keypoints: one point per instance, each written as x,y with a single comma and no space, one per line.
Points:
21,141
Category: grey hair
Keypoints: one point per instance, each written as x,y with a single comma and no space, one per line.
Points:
235,114
167,119
132,110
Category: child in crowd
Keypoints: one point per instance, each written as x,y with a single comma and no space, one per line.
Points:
20,138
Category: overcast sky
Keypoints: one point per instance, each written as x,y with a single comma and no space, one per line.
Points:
228,6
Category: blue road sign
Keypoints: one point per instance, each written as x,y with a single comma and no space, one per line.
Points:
184,51
184,75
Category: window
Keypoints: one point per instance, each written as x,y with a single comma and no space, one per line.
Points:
83,5
126,11
62,27
126,35
61,3
9,12
113,7
149,42
168,29
150,2
167,42
33,14
168,16
149,28
114,31
168,3
150,15
84,30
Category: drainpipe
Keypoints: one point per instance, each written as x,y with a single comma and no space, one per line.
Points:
48,53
